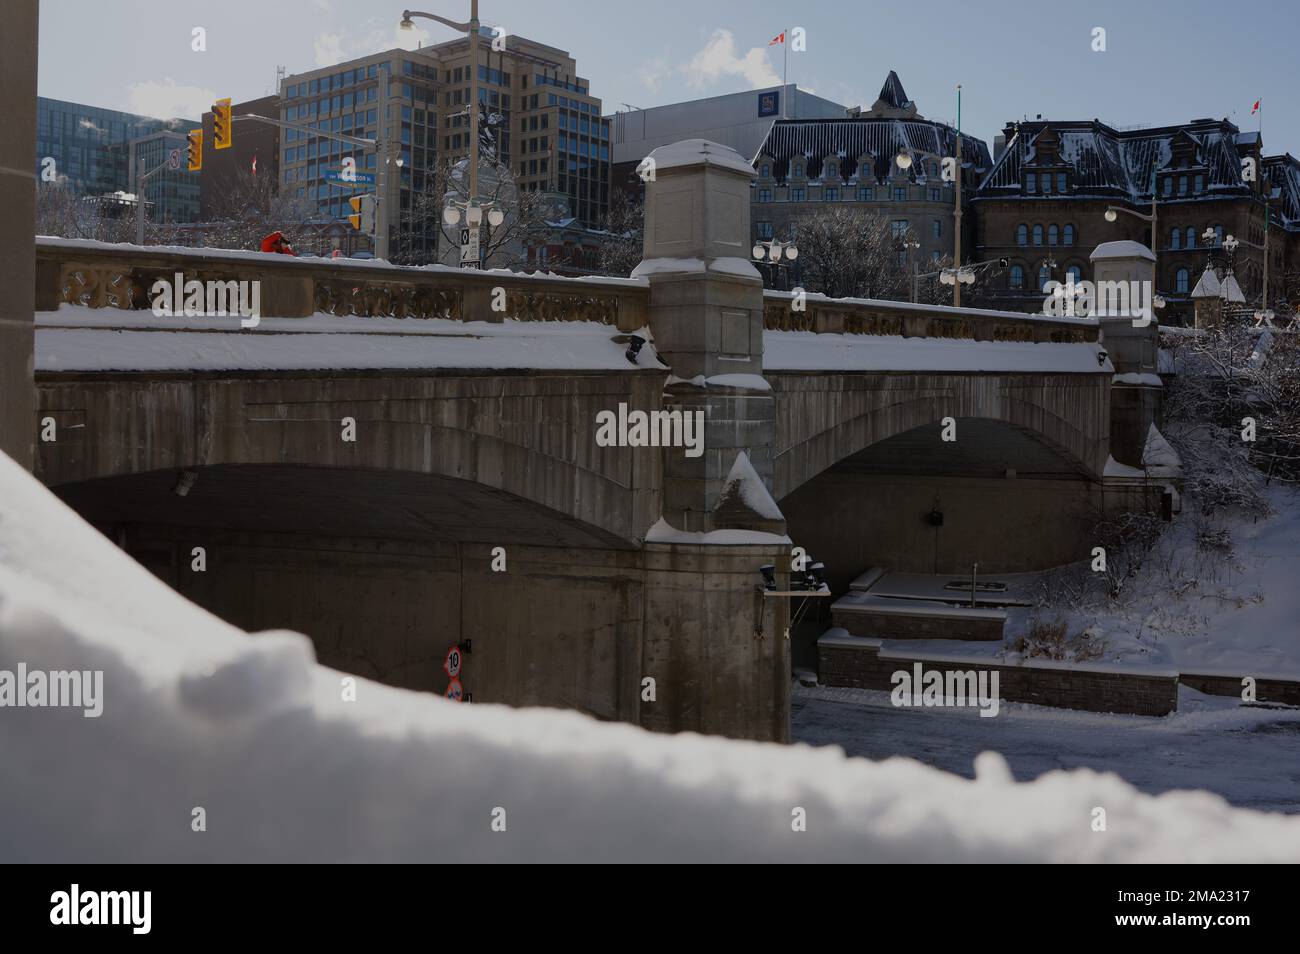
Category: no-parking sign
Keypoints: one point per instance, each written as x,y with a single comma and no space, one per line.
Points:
455,691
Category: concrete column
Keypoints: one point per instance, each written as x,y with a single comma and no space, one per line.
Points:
1132,338
17,245
715,645
706,315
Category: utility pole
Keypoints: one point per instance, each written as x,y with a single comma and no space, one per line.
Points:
956,255
381,168
473,102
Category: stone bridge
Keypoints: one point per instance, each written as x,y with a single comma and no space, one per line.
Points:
396,460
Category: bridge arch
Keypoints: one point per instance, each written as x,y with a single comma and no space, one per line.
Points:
823,419
524,437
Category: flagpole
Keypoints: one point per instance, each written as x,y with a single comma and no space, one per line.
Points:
785,69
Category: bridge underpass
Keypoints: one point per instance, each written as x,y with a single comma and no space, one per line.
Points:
385,571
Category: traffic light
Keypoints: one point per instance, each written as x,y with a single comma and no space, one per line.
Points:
363,212
223,133
194,150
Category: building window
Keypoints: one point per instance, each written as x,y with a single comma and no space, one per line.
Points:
1074,274
830,194
1060,182
1200,183
1017,277
1191,237
1182,185
1069,235
1218,236
1176,238
1180,281
765,230
865,194
935,195
935,255
1022,234
796,195
764,195
937,228
1031,182
898,228
900,194
1038,235
1053,234
764,170
1047,183
1044,276
798,170
830,170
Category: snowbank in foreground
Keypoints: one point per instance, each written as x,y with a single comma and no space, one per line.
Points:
196,714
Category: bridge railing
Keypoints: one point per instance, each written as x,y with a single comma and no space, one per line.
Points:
786,311
104,275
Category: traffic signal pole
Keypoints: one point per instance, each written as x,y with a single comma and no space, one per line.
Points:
381,178
140,179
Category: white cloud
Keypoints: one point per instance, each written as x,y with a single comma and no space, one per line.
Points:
166,100
652,73
719,59
329,49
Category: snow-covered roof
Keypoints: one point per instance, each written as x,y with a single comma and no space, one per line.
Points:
1118,162
1124,249
1208,286
1232,291
878,139
694,152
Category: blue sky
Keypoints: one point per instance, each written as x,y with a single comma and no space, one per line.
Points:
1165,61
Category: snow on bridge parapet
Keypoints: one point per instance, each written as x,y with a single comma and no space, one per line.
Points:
120,276
869,316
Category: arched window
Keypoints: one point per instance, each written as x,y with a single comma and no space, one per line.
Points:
1176,238
1218,236
1074,273
1191,237
798,169
1017,276
830,169
765,170
1044,276
1038,235
1053,233
1069,235
1180,281
1022,234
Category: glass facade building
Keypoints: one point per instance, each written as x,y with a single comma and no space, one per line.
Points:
93,149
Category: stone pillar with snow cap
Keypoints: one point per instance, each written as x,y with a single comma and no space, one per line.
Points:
706,315
714,642
1124,303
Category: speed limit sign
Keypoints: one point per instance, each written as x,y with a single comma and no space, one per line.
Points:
451,665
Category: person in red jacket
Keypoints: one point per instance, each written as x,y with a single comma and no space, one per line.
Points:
276,242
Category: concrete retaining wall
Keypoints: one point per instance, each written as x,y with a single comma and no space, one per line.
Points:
862,664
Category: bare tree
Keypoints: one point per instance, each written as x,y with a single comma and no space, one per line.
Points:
623,245
502,246
846,252
62,212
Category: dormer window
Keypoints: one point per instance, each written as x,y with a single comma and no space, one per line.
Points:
830,170
765,171
798,169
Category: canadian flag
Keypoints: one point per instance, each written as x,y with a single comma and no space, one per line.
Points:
1254,109
779,38
254,163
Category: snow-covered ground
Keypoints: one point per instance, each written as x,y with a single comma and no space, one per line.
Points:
1250,756
197,714
1189,608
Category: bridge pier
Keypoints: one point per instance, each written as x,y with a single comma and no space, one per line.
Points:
1132,339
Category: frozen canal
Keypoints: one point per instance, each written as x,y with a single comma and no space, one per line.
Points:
1250,756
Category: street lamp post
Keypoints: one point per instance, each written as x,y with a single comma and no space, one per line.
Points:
772,251
1112,213
471,28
